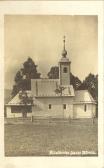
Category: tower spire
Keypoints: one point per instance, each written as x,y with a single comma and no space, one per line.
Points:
64,52
64,41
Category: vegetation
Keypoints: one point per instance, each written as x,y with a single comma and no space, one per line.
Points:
33,139
75,81
26,100
53,73
23,76
59,90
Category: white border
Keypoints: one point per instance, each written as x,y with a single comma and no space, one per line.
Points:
54,8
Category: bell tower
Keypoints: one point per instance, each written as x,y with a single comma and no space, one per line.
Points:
64,67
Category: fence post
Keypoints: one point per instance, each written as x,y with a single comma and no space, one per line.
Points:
69,119
32,118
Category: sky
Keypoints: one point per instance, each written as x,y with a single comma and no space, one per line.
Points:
41,38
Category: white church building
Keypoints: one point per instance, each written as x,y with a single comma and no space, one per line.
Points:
55,98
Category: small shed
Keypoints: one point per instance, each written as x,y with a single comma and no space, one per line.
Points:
15,108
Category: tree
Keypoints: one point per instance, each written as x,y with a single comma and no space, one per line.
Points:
59,90
75,81
30,69
54,74
24,75
26,101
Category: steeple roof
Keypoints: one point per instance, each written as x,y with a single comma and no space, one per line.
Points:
64,53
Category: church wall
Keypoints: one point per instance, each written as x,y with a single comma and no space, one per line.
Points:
57,110
80,111
57,107
29,114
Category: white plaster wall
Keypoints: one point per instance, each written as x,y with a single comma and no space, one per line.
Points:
9,113
68,112
80,113
18,114
29,114
56,110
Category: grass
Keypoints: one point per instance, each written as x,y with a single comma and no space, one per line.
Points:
30,139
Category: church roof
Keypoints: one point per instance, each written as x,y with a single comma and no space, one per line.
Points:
43,88
83,96
49,88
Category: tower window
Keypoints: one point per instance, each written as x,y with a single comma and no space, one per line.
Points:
65,70
64,106
50,106
85,108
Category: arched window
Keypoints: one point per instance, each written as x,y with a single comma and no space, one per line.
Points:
65,69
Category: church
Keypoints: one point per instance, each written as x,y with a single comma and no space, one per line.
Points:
55,98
